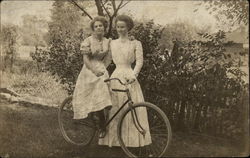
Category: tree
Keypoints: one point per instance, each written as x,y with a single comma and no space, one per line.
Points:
9,37
236,11
33,30
108,8
181,31
63,57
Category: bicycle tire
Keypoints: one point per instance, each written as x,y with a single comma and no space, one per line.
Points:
128,150
87,130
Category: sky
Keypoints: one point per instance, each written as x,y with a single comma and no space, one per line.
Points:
165,12
12,11
162,12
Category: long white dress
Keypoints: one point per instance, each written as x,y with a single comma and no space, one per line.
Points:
123,55
91,92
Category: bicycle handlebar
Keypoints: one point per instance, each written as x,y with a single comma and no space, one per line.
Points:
109,79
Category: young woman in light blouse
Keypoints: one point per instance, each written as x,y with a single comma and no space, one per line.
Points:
124,52
91,94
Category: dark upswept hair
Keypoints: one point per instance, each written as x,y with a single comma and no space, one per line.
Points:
102,19
127,19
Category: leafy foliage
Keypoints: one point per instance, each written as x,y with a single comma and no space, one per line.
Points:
191,83
63,57
181,31
237,12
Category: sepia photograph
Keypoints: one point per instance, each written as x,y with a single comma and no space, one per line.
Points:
124,78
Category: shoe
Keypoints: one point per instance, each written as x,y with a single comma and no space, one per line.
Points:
96,120
102,133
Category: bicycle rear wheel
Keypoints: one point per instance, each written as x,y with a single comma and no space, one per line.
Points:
159,129
75,131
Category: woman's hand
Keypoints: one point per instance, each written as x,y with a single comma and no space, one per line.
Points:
110,39
86,50
98,73
99,54
130,80
131,38
136,75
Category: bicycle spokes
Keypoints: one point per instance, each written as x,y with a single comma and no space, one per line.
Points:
157,131
75,131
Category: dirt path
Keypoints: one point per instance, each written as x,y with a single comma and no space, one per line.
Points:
28,131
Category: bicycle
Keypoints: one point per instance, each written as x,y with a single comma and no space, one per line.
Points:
82,132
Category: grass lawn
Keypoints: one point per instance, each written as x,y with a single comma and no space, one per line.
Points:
28,131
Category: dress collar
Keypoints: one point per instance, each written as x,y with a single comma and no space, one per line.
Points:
123,40
96,39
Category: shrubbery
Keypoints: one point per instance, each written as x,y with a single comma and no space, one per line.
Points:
192,84
62,57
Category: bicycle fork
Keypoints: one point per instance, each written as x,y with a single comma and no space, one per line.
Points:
135,118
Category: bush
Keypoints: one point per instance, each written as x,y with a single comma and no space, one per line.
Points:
191,83
63,57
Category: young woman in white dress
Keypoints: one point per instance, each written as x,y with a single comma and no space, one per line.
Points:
91,94
124,52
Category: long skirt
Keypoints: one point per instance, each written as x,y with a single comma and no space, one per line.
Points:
131,136
91,93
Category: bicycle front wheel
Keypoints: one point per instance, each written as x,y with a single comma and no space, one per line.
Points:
155,141
75,131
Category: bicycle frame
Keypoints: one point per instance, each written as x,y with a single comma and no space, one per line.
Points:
130,104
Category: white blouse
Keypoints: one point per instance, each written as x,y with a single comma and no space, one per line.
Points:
125,53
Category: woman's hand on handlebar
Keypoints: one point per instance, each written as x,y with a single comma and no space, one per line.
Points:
129,80
98,73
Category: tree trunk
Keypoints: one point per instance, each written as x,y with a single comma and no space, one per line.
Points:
99,7
11,62
205,120
188,116
197,118
110,27
170,110
6,62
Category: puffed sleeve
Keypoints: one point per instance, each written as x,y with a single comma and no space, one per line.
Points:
138,58
85,47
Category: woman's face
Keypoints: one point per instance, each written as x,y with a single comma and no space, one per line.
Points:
121,28
98,28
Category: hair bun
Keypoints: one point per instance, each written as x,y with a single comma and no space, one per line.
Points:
127,19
